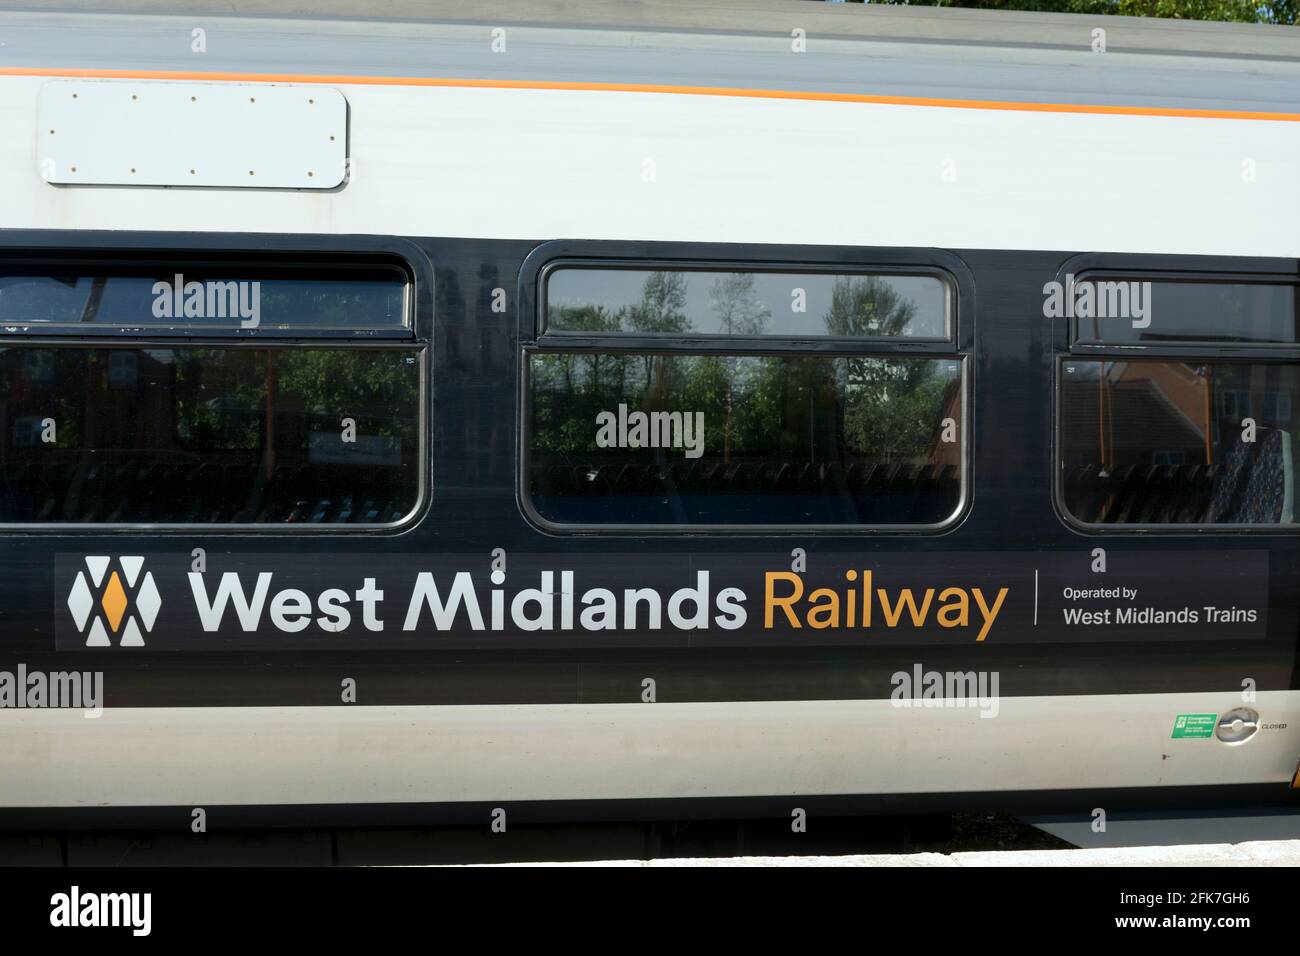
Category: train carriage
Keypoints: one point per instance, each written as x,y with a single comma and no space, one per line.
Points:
674,411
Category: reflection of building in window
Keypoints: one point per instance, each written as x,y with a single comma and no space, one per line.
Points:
1277,408
1136,409
1155,442
1274,406
1234,404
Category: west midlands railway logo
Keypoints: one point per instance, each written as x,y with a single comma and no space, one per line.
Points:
110,602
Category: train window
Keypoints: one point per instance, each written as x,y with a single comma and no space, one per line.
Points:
615,300
725,439
1119,311
64,298
210,436
1160,442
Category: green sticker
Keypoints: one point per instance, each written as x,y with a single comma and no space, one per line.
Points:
1194,725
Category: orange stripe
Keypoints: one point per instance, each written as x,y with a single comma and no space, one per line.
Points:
651,88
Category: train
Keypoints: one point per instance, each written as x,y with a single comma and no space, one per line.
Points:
621,412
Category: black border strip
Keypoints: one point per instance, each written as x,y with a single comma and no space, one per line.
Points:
1064,804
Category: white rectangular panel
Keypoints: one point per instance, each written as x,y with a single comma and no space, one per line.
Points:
450,753
155,133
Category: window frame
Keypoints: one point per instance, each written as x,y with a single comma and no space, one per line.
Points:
1155,268
92,249
535,339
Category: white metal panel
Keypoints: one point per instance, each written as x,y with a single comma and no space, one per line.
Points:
195,756
154,133
539,164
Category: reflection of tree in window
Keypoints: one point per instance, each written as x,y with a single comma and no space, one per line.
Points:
889,406
736,305
739,313
661,310
662,306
